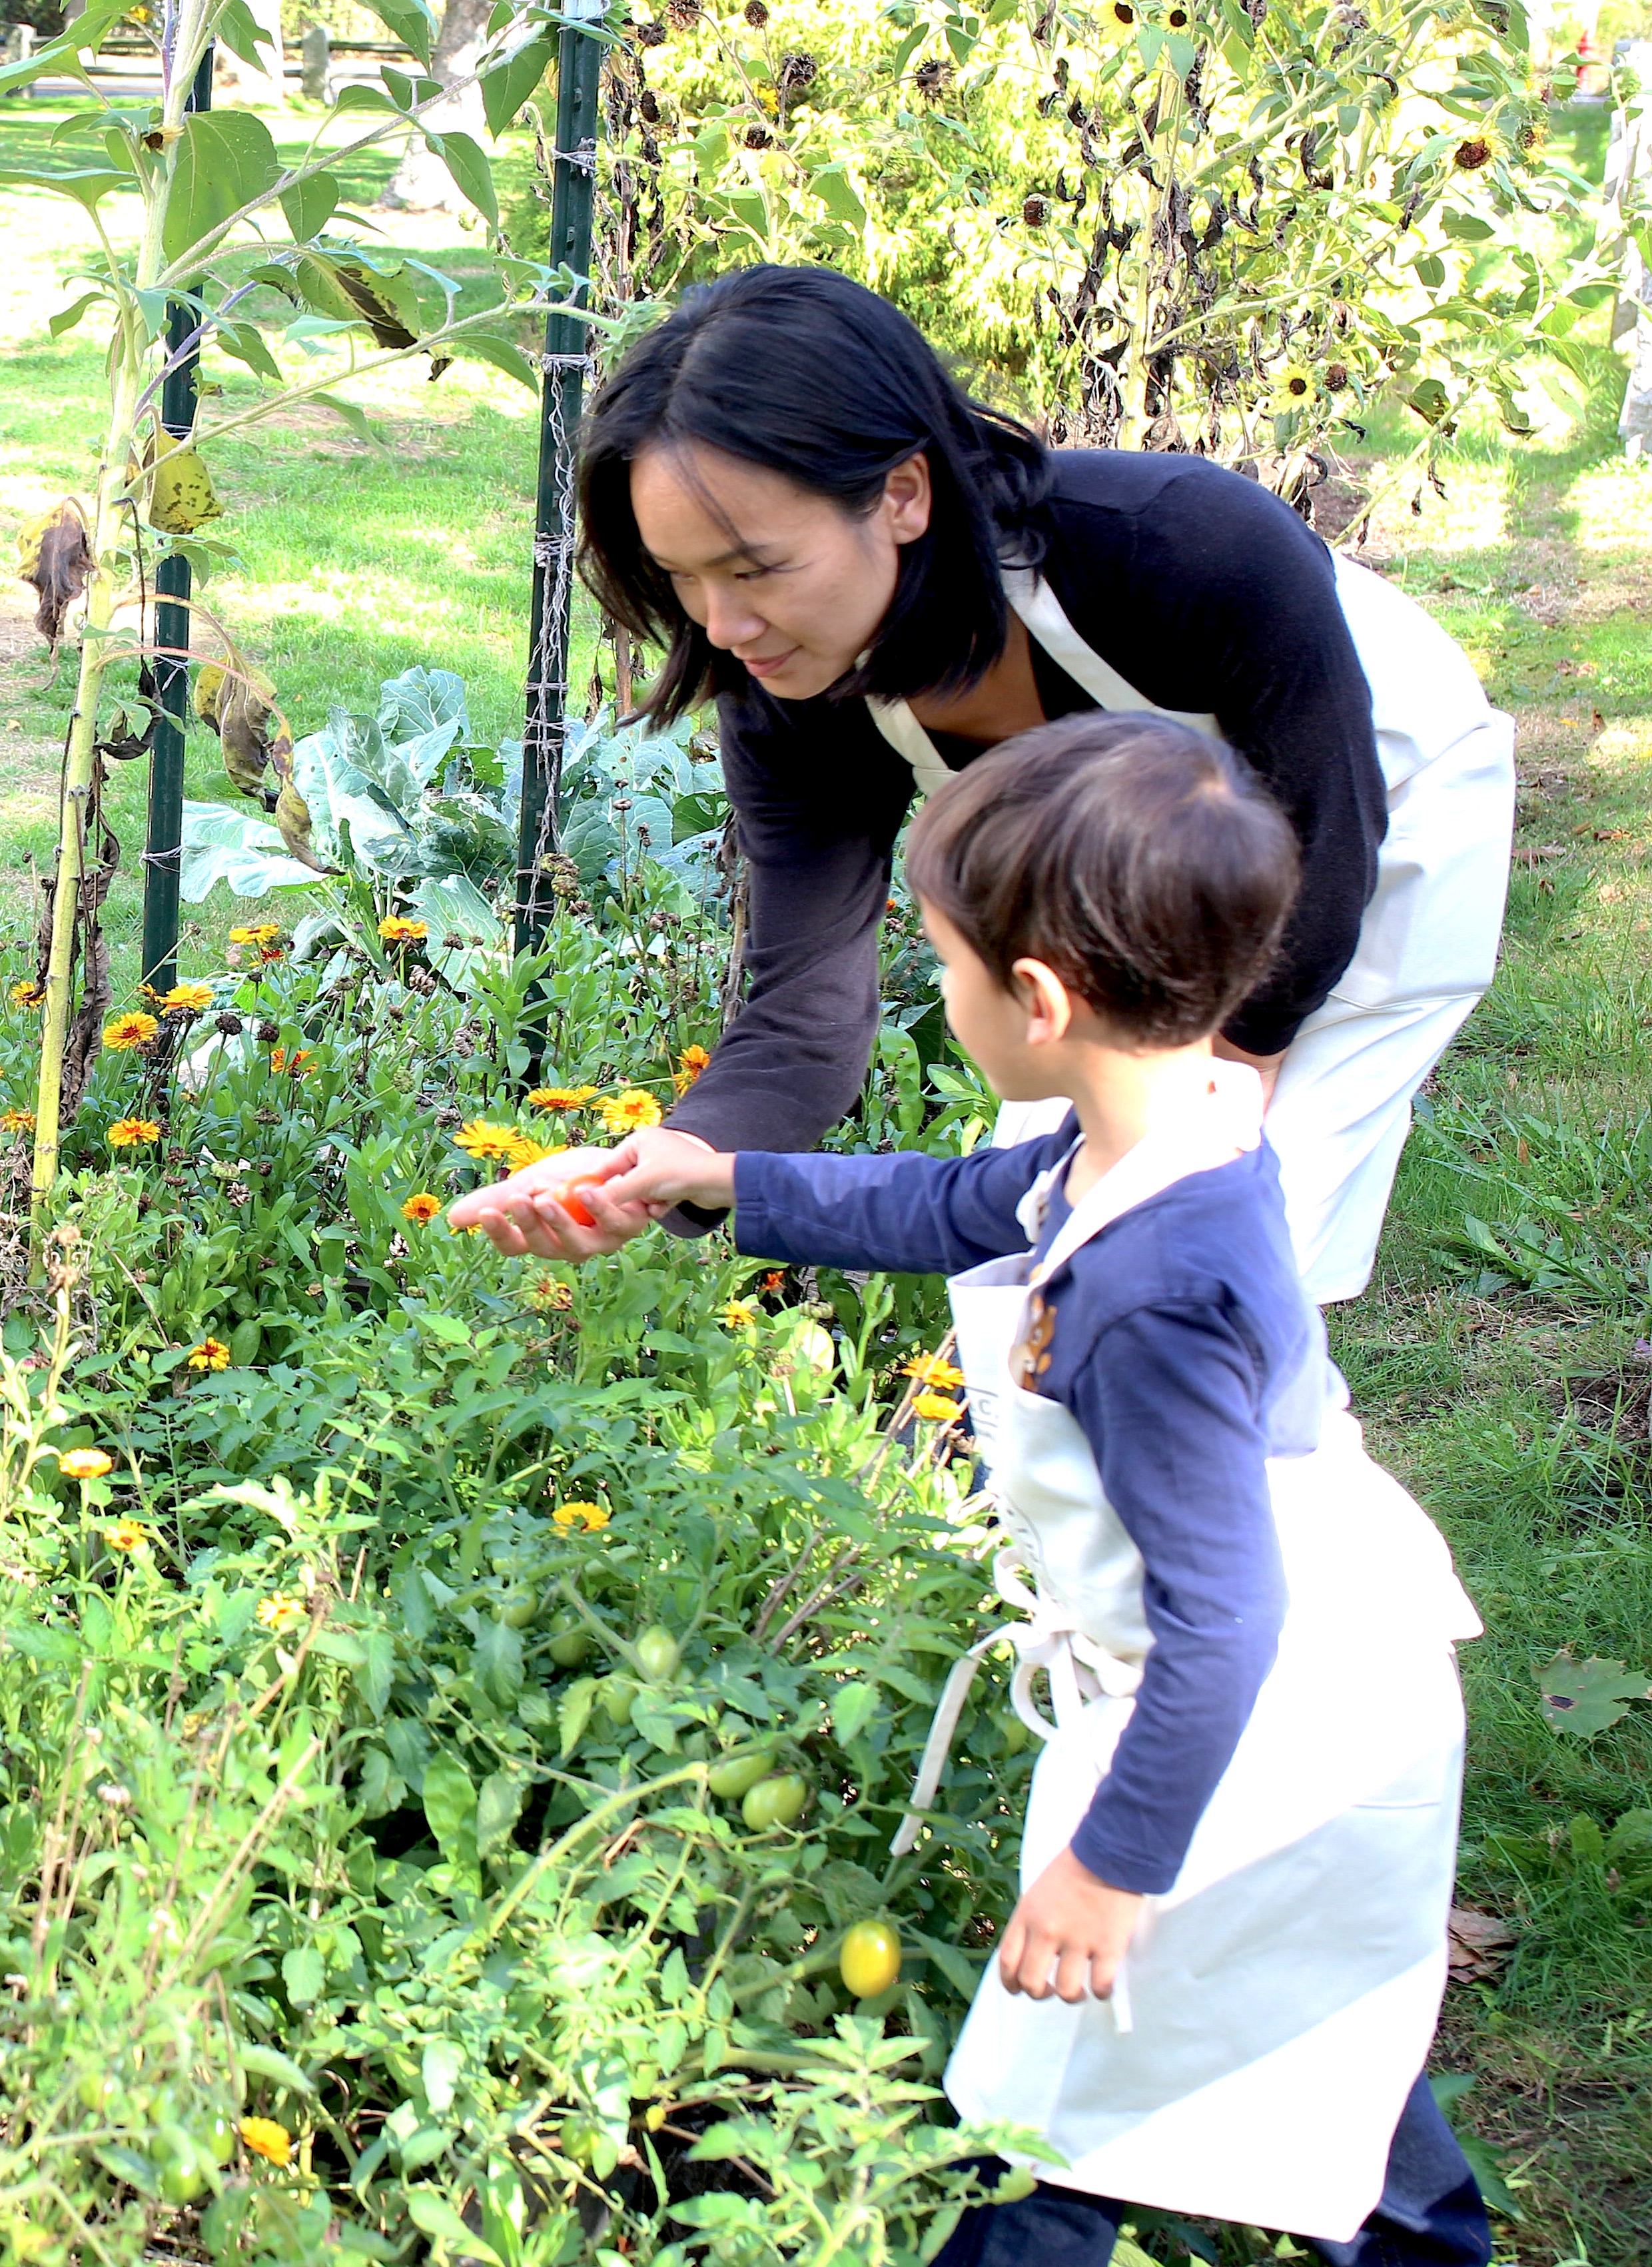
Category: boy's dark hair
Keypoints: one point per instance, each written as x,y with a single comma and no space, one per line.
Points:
801,370
1143,863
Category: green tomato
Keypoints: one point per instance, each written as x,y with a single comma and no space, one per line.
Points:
519,1606
96,2090
571,1646
659,1655
777,1802
869,1958
732,1777
245,1340
616,1694
181,2177
219,2140
1015,1736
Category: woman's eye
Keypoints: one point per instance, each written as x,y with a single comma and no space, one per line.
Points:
750,574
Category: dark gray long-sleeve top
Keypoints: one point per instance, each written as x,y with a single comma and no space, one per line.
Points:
1208,594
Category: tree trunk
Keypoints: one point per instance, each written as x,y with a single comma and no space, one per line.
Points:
422,182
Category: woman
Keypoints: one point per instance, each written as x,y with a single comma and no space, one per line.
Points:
878,580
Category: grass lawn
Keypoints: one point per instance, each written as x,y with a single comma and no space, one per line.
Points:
1505,1370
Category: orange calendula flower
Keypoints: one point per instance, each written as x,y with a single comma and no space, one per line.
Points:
189,998
28,993
593,1517
394,930
690,1063
84,1463
126,1535
488,1143
929,1369
18,1121
261,933
135,1029
937,1406
279,1612
295,1065
559,1097
129,1132
739,1315
775,1280
422,1208
211,1353
265,2138
630,1112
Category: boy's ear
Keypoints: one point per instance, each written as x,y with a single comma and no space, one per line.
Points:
1047,1001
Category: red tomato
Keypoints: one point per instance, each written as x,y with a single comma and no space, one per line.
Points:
567,1197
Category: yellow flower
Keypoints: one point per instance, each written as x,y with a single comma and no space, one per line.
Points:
28,993
524,1150
279,1612
929,1369
190,997
211,1353
134,1029
1293,387
394,930
261,933
84,1463
559,1097
265,2138
422,1208
18,1121
127,1132
126,1535
690,1063
486,1142
739,1315
937,1406
1117,20
548,1296
627,1112
593,1517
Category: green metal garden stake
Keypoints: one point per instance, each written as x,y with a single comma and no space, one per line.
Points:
572,185
163,854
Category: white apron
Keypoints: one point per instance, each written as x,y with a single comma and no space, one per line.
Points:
1428,945
1275,2005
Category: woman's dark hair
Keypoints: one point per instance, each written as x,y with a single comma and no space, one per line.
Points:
1143,863
800,370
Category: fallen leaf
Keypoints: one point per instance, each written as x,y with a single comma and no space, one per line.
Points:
1478,1943
1583,1698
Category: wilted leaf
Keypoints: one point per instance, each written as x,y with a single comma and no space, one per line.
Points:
181,496
239,706
55,555
1478,1943
1586,1697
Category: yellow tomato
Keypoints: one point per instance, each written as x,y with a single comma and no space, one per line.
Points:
869,1960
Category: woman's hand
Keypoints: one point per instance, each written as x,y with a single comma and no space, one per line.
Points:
523,1215
1070,1922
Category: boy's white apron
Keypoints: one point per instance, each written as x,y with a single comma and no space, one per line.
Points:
1276,2004
1428,945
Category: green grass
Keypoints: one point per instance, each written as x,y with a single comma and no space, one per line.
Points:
1520,1414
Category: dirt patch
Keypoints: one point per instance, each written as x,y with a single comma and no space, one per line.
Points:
19,636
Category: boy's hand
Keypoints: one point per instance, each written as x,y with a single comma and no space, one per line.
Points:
523,1216
1073,1924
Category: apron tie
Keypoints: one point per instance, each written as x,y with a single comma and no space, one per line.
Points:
1049,1639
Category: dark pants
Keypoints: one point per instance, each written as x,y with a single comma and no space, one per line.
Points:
1430,2213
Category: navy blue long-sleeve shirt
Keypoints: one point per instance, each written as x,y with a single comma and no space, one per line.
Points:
1188,1352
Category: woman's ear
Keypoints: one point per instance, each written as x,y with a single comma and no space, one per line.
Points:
908,499
1047,1001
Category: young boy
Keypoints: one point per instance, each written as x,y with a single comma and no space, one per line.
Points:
1220,1980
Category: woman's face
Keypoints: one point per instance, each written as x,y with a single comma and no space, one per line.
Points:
784,580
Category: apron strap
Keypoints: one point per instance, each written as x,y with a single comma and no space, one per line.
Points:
1045,619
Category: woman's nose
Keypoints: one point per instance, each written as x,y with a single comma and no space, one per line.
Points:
730,618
